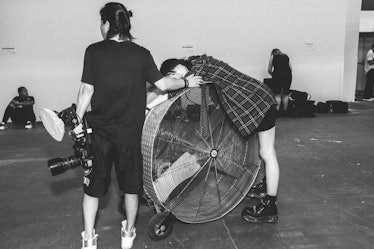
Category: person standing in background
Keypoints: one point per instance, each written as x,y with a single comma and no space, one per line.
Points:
369,71
280,69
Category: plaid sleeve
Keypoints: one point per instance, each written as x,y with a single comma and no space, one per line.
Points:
245,99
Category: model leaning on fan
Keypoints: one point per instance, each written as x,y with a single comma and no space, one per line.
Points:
263,114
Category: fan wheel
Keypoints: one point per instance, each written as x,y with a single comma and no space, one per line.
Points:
158,229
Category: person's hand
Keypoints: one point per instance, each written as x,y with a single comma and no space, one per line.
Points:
17,104
78,131
195,81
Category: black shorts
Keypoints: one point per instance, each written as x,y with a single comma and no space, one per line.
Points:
268,121
128,164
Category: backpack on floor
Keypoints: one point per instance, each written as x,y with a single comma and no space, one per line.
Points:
322,107
337,106
301,108
298,95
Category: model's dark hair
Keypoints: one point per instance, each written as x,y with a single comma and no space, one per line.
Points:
169,65
119,20
20,89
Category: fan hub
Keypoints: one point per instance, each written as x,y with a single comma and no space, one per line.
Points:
214,153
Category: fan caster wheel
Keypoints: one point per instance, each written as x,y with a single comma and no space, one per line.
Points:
160,226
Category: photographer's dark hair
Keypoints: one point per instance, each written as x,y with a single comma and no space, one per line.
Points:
119,19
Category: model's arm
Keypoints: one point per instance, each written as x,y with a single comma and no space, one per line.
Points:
168,83
84,98
270,66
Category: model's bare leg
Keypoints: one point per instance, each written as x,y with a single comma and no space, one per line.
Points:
268,154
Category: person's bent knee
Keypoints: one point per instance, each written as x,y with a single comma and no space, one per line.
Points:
268,153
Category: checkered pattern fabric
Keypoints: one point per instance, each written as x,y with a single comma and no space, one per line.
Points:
245,99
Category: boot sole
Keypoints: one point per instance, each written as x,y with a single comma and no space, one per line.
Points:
266,219
258,196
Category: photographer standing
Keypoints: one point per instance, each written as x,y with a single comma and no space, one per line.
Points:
114,80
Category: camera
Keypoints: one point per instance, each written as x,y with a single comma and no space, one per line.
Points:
83,155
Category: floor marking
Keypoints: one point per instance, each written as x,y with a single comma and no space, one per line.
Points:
228,230
19,160
326,140
358,217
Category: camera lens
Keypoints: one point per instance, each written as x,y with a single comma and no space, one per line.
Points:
60,165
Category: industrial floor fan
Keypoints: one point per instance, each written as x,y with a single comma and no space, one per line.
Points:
197,167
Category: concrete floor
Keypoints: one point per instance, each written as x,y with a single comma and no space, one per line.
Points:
326,193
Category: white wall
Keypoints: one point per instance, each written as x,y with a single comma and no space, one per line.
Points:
348,85
367,21
366,26
50,36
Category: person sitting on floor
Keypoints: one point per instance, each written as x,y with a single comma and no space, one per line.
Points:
20,110
259,104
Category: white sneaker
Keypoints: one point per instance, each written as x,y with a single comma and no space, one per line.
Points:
2,126
28,125
369,99
127,238
91,243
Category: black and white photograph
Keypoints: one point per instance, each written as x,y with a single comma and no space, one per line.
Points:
187,124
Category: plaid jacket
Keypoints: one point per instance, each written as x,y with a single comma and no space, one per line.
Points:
245,99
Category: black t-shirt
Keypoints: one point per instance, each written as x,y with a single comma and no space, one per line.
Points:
119,72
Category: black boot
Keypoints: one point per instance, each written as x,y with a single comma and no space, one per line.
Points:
259,190
265,211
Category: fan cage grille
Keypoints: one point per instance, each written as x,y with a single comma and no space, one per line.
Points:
196,164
